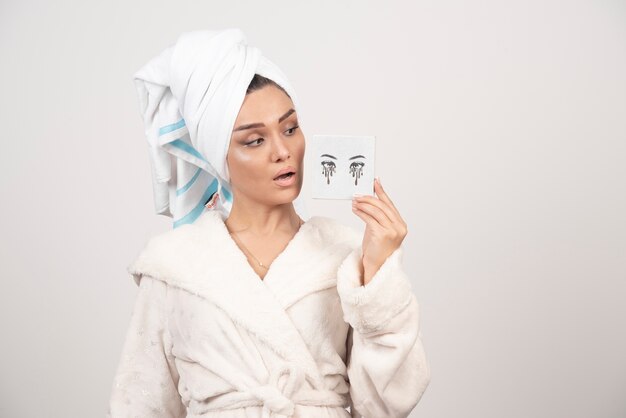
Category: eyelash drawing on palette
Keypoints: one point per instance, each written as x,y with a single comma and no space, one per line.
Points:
355,169
328,168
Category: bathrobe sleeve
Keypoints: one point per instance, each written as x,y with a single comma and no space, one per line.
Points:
387,367
145,383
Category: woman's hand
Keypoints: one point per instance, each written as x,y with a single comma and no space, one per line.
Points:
384,232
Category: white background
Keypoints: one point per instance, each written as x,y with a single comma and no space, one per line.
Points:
508,119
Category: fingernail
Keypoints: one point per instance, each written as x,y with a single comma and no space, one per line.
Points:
357,195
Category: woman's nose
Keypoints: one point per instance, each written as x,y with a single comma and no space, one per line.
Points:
279,150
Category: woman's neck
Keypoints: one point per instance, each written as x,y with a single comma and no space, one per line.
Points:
263,221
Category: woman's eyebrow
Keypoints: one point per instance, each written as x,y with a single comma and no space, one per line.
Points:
356,156
258,125
328,155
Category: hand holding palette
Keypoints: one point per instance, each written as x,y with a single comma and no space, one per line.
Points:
341,165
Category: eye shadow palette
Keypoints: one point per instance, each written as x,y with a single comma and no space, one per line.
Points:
340,165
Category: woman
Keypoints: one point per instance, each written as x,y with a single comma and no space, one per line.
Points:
248,310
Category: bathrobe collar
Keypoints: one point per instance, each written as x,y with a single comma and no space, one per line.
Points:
203,259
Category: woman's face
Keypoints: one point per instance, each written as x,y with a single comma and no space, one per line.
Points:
273,142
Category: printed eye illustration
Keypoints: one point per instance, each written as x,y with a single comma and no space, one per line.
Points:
328,167
356,169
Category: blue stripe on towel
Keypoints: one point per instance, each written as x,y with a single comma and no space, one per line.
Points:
180,144
227,194
169,128
189,183
197,211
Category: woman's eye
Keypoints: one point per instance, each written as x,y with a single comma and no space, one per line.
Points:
252,142
291,131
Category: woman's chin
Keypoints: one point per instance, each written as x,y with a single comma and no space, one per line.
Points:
285,195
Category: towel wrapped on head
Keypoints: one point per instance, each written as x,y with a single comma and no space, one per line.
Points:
190,95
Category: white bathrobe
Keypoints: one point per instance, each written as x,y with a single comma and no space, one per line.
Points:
208,338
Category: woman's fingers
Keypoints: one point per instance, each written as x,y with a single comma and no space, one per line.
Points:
373,208
367,218
378,187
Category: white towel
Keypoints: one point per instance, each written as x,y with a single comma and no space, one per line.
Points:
190,95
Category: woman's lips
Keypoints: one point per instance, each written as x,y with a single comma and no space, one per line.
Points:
286,181
284,170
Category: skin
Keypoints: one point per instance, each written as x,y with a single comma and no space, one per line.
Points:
263,215
384,231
